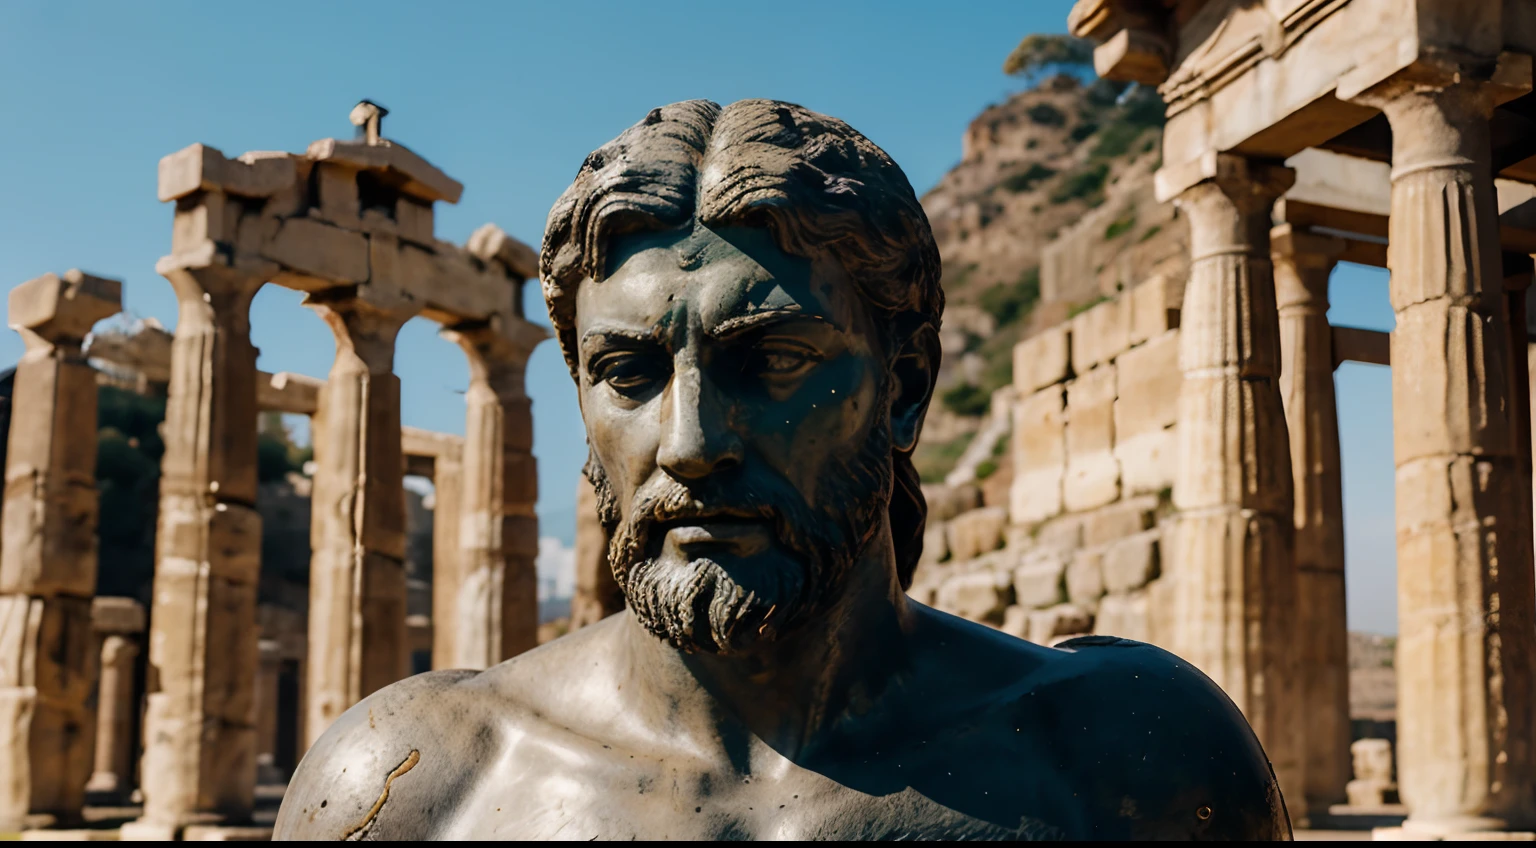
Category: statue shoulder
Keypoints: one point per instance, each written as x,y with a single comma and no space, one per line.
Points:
1164,751
393,764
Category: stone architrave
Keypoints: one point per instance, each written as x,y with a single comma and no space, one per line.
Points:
200,718
496,610
1465,595
48,564
120,623
1303,262
357,591
1237,580
597,592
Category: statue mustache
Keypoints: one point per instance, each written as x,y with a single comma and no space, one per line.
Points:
669,502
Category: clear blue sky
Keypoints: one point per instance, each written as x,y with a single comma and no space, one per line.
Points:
508,98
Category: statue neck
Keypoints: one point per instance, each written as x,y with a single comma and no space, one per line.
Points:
802,691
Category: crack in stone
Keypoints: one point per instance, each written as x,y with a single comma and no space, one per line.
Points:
409,763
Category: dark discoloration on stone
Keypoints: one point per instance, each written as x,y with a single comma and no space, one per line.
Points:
748,299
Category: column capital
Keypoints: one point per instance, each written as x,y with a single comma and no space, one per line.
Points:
365,320
1239,176
498,344
1303,261
60,310
1303,246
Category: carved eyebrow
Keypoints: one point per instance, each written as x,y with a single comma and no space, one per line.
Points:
741,324
621,334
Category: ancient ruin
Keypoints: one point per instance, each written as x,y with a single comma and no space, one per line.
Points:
1161,463
1175,451
350,224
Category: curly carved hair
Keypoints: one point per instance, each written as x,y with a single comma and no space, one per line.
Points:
819,186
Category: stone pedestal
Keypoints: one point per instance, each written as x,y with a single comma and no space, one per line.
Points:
1465,594
199,724
48,552
597,592
357,592
496,609
1236,596
1303,263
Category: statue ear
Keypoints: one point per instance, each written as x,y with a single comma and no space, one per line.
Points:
915,369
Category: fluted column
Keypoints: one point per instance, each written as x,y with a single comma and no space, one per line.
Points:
48,554
199,724
597,592
1465,594
1303,263
357,593
113,773
1236,593
496,596
447,492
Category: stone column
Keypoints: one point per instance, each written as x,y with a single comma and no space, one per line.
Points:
1303,263
199,723
267,708
48,553
597,592
447,491
120,624
113,774
1236,595
496,596
357,594
1465,594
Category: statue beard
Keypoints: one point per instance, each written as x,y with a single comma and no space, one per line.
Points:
700,606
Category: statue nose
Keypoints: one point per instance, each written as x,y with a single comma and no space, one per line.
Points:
697,438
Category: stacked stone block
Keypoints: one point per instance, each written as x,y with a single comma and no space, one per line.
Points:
1080,549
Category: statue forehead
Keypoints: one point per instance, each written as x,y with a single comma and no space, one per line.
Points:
717,273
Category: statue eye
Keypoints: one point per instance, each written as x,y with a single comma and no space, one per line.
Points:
629,375
783,362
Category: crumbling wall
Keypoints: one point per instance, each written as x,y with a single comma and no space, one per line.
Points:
1079,548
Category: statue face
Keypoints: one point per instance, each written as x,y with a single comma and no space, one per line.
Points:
736,400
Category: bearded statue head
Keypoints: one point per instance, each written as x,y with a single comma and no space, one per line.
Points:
748,299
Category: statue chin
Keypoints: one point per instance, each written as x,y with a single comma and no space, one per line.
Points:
698,606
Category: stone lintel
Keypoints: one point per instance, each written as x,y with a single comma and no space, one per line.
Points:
1406,64
429,443
421,179
117,616
63,309
316,256
1353,344
285,391
491,242
199,167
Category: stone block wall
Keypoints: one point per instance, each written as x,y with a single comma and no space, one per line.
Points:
1080,547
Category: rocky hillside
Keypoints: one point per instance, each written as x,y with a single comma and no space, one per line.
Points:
1049,211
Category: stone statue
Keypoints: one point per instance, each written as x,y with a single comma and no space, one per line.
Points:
748,299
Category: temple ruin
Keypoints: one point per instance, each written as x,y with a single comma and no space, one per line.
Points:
1175,449
350,224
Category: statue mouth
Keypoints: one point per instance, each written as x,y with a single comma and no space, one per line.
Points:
740,535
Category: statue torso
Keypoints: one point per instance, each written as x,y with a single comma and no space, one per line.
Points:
1102,743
